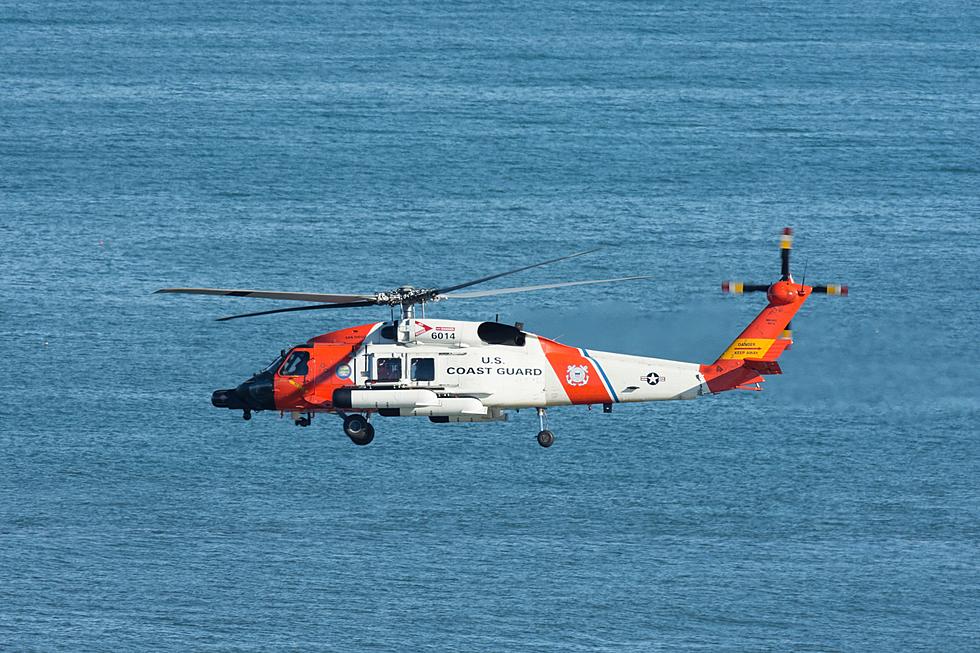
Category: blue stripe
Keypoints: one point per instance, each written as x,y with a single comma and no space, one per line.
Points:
605,378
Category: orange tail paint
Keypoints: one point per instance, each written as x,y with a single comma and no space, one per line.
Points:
756,349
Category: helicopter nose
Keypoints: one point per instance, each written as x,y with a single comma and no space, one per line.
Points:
258,392
227,399
254,394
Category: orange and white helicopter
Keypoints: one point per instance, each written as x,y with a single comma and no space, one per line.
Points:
456,371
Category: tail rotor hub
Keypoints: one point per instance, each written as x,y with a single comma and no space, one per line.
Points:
784,292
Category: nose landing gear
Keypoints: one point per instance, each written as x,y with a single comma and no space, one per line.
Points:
358,429
545,437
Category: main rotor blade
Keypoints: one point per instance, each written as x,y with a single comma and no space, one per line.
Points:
507,291
315,307
268,294
467,284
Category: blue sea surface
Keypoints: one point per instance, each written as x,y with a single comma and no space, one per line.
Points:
355,147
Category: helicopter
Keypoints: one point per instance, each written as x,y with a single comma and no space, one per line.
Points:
454,371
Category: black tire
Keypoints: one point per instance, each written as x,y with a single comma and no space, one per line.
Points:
546,438
355,426
365,437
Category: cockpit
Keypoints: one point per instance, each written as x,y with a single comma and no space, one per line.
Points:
297,363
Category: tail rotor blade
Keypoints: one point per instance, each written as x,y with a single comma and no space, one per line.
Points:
832,289
785,247
739,287
787,335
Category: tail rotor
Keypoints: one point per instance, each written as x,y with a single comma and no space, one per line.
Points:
785,247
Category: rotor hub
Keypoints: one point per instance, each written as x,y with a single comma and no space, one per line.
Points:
783,292
405,295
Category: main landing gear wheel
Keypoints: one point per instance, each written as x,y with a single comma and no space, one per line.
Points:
358,429
546,438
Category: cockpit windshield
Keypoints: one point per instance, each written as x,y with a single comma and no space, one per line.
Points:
296,363
274,365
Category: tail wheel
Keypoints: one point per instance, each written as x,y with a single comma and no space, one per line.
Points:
358,429
546,438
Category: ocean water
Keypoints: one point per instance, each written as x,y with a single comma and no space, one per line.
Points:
354,147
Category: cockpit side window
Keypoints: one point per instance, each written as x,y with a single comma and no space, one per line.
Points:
297,363
389,369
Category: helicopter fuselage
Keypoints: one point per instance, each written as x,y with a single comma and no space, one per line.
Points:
457,370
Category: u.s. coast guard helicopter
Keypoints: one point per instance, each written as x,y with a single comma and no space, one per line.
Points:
455,371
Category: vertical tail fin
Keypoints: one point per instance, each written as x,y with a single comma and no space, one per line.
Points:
766,336
755,351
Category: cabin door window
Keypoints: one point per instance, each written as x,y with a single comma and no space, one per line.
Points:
423,369
389,370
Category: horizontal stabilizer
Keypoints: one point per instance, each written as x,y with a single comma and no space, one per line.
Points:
762,366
